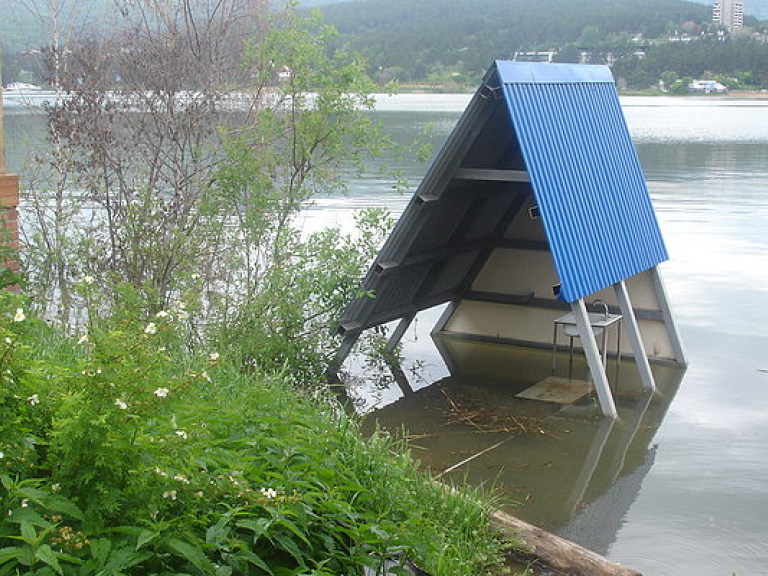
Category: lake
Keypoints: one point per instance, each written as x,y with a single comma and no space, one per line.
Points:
678,484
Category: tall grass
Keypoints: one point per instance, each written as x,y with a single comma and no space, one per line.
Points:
123,453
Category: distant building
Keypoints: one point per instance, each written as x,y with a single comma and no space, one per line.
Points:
728,13
548,56
707,87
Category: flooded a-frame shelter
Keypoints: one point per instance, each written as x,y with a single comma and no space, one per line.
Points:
536,224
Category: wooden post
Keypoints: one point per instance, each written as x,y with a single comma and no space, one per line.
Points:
2,127
9,216
9,196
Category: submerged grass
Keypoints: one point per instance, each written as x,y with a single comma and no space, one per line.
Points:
125,454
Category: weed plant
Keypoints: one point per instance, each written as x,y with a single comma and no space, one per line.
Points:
121,452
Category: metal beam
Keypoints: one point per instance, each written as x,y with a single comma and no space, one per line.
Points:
399,332
635,338
344,350
492,175
592,353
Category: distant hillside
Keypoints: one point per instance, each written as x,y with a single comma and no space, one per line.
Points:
756,8
455,40
411,39
20,30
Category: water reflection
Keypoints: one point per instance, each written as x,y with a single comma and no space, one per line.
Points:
562,466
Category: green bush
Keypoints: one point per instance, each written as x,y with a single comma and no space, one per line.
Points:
123,453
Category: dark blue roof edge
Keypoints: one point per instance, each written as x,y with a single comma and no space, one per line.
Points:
546,73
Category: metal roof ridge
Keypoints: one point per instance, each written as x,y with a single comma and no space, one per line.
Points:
551,73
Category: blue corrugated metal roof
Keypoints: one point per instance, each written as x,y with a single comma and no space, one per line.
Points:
585,173
561,123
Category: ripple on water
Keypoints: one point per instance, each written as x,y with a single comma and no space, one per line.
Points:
686,549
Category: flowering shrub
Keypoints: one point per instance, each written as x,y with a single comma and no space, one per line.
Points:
123,453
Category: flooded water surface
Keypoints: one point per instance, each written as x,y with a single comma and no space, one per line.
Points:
679,483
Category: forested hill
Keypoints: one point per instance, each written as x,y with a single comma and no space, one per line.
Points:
417,40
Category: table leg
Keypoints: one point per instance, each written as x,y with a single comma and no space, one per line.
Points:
554,349
605,348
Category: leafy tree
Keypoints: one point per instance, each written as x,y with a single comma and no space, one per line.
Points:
194,134
669,77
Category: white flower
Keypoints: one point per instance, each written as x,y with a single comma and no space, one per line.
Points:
182,434
162,314
2,455
213,356
89,280
55,487
268,493
170,494
19,316
181,478
151,328
34,399
8,341
83,338
25,503
121,404
204,375
182,315
162,392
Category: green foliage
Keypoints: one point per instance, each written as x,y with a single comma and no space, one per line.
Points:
8,277
151,460
285,326
735,58
465,36
199,202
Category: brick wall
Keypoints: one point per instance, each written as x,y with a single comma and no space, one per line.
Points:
9,214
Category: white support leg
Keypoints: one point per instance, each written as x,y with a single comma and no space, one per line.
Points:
635,339
592,353
674,335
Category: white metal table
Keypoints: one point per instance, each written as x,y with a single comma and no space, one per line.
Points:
599,322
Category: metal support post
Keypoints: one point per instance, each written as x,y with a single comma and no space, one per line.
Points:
669,322
344,350
635,339
592,353
399,332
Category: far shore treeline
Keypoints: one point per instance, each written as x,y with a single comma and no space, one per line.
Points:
447,44
451,42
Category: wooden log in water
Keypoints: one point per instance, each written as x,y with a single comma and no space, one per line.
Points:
562,555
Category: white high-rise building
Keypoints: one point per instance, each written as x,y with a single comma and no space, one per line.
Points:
728,13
